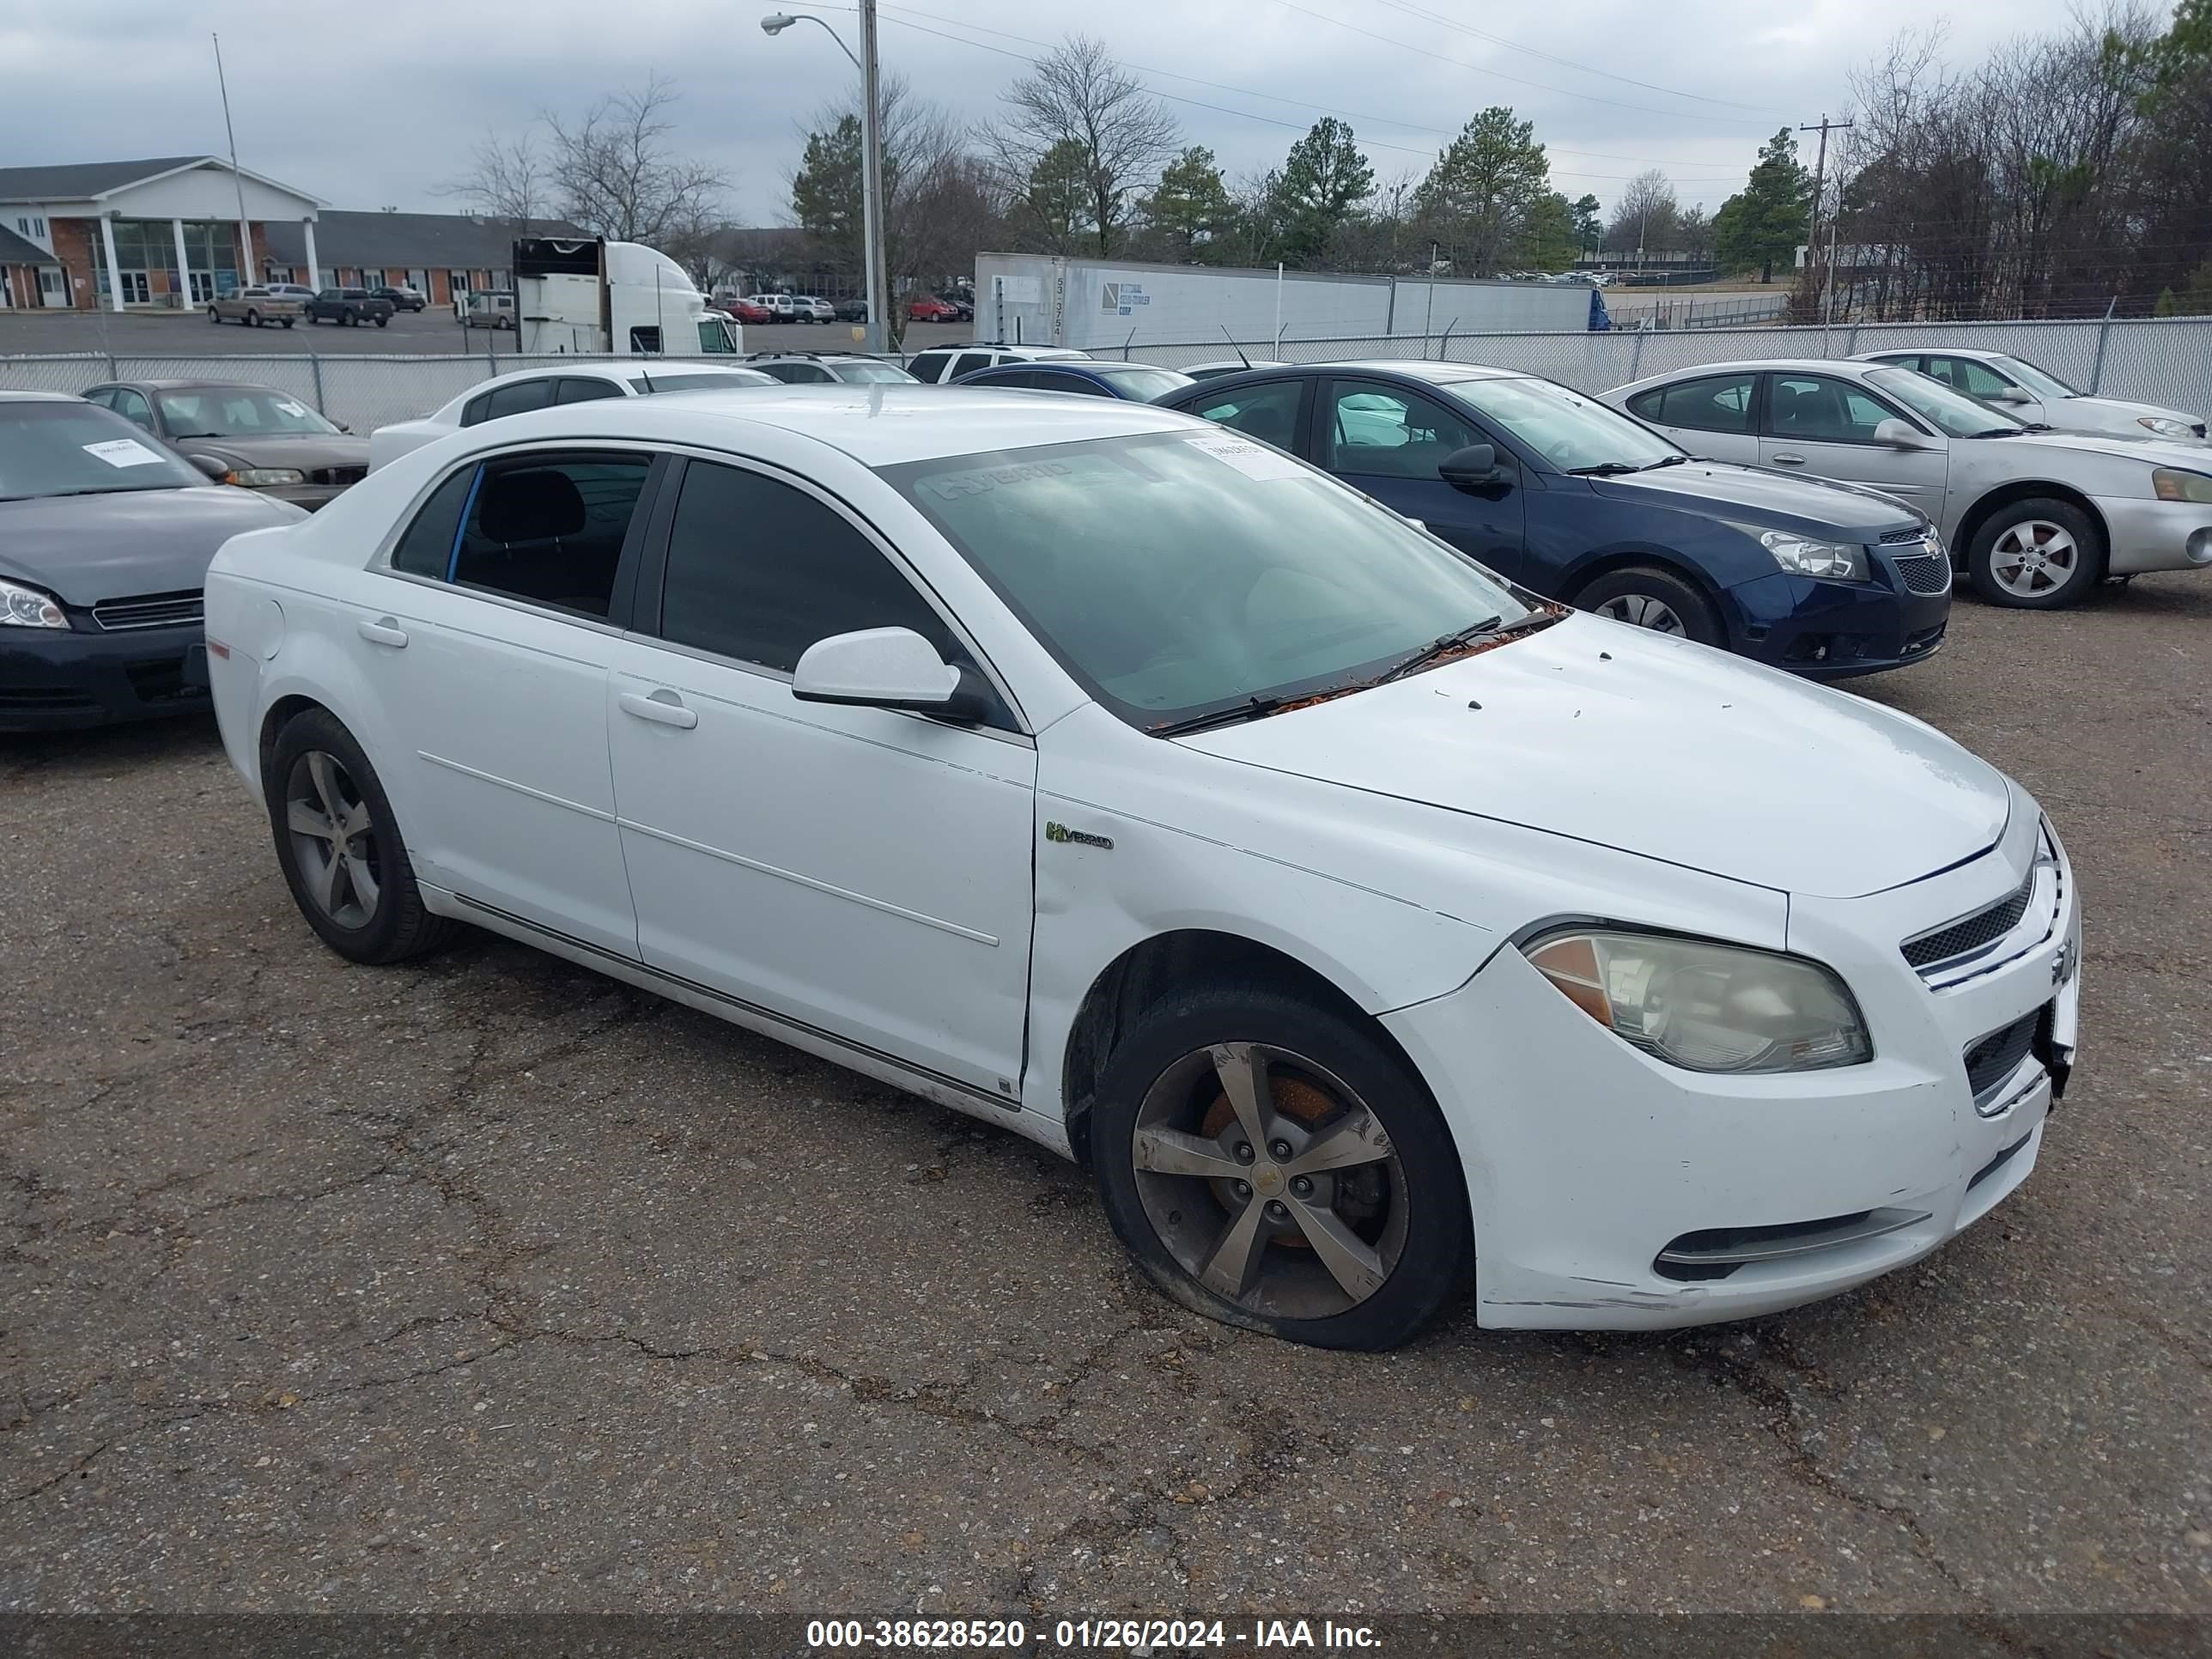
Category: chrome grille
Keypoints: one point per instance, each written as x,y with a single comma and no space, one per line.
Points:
1930,574
147,611
1995,1057
1972,932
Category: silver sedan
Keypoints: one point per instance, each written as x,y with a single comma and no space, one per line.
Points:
2038,395
2036,518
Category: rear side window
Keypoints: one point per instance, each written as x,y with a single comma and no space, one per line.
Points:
1055,380
795,374
1269,412
427,548
518,397
549,529
1718,403
969,361
580,389
930,366
758,571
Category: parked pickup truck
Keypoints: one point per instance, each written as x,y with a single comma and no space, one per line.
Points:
348,307
254,307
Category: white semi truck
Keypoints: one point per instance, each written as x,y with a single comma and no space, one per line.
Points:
594,297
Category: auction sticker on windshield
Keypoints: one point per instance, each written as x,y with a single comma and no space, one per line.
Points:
1252,458
124,452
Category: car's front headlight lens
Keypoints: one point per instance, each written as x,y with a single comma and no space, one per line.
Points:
2166,426
1839,562
1706,1007
26,607
2171,484
264,477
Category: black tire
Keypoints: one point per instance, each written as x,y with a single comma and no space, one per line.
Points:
215,316
397,926
253,319
287,322
1640,590
2032,529
1421,1186
381,321
350,319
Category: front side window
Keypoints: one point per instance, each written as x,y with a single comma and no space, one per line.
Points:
239,411
1815,409
795,374
1379,432
546,529
133,407
1179,573
1269,412
930,366
758,570
77,448
1976,379
969,361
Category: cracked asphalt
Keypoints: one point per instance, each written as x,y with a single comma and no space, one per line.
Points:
485,1284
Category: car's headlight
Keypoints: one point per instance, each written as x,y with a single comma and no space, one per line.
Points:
26,607
1706,1007
2171,484
1840,561
264,477
2166,426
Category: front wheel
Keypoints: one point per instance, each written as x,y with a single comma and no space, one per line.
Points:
213,316
253,319
340,848
287,322
1275,1165
2037,554
1644,595
381,321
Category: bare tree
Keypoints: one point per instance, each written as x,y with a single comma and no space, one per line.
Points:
615,173
508,179
1080,107
1647,215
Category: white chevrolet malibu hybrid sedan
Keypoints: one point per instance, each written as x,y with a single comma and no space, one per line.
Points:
1372,928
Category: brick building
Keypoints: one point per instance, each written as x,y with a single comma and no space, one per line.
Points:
160,234
445,255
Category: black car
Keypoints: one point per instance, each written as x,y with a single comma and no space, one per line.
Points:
105,538
852,311
1579,503
348,307
403,298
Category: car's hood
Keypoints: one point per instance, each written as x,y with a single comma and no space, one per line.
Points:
1714,487
2116,415
88,549
2150,450
1657,746
307,452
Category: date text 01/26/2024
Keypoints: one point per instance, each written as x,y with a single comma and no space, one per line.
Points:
1132,1636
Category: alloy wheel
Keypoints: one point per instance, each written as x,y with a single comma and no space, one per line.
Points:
2034,557
1269,1180
334,838
1642,611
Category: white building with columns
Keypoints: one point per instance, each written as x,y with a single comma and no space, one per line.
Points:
162,233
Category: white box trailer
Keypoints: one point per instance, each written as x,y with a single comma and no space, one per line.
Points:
1102,305
620,299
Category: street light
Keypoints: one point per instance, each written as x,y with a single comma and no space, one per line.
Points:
877,338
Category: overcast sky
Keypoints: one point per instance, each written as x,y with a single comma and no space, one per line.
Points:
384,110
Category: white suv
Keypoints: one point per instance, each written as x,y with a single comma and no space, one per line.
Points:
942,363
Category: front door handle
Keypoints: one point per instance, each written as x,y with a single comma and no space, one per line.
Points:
663,706
385,630
1787,459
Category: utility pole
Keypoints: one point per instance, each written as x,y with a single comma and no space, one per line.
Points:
1819,185
875,225
246,276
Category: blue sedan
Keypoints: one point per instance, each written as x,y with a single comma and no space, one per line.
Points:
1581,503
1140,383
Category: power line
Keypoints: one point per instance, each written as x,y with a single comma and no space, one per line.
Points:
1564,62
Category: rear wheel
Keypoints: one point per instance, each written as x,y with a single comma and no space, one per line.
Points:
2037,554
213,316
340,848
1274,1164
1644,595
381,321
253,319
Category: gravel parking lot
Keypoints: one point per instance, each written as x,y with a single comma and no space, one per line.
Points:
487,1284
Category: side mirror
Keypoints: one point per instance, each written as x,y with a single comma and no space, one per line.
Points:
209,465
1898,435
343,426
1471,468
2012,394
885,668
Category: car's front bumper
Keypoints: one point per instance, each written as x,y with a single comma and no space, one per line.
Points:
55,679
1586,1159
1833,630
2153,535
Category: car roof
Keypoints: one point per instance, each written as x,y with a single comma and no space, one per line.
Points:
198,385
1847,367
1057,353
11,396
877,425
1982,353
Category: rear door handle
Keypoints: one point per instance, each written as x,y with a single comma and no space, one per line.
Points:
1787,459
663,706
385,630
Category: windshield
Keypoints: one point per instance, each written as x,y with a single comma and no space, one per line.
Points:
81,449
871,373
239,411
2041,382
1569,430
1145,383
648,384
1175,574
1954,412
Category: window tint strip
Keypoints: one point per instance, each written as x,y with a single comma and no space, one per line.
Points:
461,525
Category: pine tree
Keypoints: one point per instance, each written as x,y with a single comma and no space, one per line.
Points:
1763,223
1322,184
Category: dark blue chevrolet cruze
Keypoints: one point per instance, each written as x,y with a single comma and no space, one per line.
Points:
1579,503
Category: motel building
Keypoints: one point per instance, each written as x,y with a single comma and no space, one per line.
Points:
166,234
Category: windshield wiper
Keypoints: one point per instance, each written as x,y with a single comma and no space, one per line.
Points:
1250,710
1489,627
1602,470
1664,460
